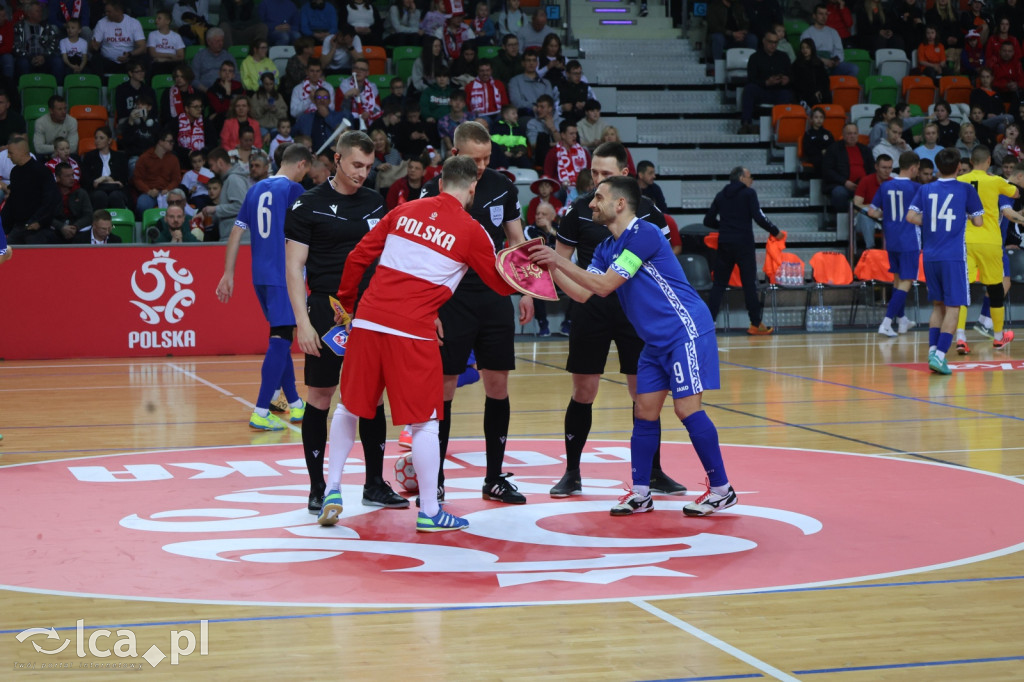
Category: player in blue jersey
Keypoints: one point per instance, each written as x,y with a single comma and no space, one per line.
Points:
941,209
262,215
902,240
680,351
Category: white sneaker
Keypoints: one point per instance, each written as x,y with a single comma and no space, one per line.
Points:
710,502
905,324
633,503
886,330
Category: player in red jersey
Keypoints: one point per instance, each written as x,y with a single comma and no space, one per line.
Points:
425,247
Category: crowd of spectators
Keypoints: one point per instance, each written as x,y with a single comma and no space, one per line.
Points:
218,127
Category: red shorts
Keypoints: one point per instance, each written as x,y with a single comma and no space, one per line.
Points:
410,370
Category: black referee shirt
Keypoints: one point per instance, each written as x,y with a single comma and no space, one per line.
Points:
495,203
579,231
331,224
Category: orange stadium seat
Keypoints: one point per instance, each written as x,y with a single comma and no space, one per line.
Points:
90,118
919,90
378,59
955,89
789,121
845,91
835,119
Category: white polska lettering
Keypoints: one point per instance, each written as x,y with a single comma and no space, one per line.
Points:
178,338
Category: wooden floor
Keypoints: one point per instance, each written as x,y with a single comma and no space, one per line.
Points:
837,393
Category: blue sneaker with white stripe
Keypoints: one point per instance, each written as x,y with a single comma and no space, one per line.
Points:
442,521
331,510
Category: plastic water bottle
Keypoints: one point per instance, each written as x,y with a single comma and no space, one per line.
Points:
826,325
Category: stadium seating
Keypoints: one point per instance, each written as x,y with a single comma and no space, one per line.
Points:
83,89
919,90
335,79
835,119
383,83
487,52
30,114
955,89
697,271
114,80
794,27
151,217
889,62
378,59
881,90
862,115
862,60
191,51
160,84
402,59
280,54
845,91
239,52
148,24
36,89
90,118
123,224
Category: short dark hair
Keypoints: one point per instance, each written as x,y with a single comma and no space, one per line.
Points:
218,154
61,166
483,62
736,173
573,65
980,154
507,37
565,125
591,105
354,139
471,131
643,166
882,157
947,161
615,150
458,172
546,98
626,187
102,214
54,99
925,164
908,159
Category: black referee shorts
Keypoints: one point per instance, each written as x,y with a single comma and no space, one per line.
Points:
323,371
481,321
595,324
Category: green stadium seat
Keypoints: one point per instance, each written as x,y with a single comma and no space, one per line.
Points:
123,224
335,79
83,89
148,24
191,51
160,84
794,27
383,83
487,52
881,90
31,113
150,217
114,80
36,89
862,59
239,52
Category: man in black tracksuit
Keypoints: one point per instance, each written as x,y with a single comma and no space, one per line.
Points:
731,214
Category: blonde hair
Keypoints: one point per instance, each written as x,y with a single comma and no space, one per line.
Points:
610,129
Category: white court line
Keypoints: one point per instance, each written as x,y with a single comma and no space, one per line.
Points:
139,361
715,642
226,392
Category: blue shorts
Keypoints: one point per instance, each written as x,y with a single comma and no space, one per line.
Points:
1006,264
947,282
903,264
276,306
687,369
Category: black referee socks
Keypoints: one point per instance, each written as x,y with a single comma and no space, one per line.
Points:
578,419
496,418
372,434
314,444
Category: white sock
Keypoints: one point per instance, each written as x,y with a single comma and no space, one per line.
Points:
961,335
277,394
262,411
985,321
722,490
340,440
939,354
642,490
297,404
932,349
426,459
887,322
902,319
999,336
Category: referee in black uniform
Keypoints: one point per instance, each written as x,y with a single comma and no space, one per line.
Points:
598,322
478,319
322,228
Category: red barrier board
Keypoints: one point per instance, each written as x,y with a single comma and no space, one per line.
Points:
126,301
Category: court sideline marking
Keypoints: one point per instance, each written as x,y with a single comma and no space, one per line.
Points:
750,660
196,377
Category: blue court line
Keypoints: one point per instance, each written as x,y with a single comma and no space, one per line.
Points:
874,391
443,609
922,664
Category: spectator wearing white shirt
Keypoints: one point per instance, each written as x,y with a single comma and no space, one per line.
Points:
339,50
166,48
74,50
302,94
118,38
893,144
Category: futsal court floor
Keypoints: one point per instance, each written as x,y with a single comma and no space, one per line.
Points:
878,535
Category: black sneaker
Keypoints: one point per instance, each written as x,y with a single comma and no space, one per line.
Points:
381,495
661,483
569,485
440,496
503,490
316,503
